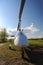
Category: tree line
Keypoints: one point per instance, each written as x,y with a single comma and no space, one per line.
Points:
3,35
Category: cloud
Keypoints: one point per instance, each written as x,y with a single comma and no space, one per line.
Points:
39,36
11,31
29,31
32,28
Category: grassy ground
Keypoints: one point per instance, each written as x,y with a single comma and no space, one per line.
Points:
13,56
35,41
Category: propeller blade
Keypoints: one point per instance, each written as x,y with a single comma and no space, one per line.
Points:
21,8
20,14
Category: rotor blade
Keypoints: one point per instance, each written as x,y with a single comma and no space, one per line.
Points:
21,8
19,25
20,14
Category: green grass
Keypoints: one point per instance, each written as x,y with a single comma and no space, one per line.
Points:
13,57
35,41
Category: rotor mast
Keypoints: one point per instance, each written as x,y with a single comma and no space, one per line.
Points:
20,14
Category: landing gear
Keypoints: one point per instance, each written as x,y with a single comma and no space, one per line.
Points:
10,46
22,52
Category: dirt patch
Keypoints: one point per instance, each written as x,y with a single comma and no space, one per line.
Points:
34,55
1,44
2,62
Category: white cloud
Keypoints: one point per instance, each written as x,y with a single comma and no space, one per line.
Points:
32,28
10,31
30,31
40,36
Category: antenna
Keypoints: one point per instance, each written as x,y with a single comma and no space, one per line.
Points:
20,14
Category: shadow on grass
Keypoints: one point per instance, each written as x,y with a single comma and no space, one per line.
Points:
34,55
12,49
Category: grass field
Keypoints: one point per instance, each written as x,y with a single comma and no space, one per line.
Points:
13,56
35,41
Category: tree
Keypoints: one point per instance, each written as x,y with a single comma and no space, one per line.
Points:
3,35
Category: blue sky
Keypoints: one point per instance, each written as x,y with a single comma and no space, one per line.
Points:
32,16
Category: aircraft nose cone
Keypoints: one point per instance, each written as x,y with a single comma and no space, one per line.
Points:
20,39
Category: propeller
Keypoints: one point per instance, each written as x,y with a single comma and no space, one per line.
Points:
20,14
